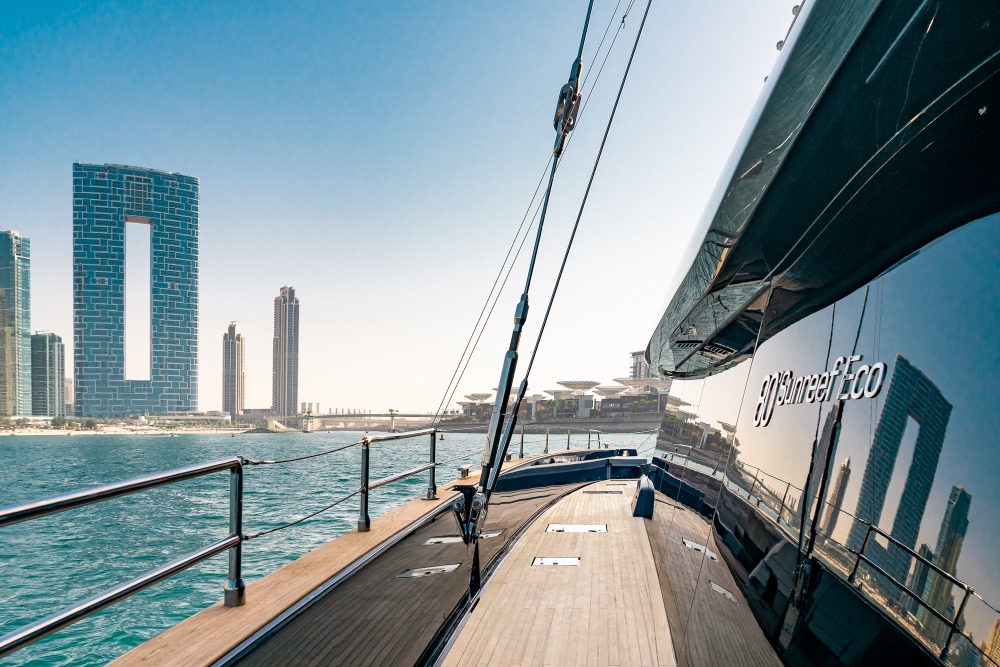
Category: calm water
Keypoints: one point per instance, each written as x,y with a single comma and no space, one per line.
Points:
48,563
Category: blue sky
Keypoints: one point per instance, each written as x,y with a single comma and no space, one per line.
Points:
378,157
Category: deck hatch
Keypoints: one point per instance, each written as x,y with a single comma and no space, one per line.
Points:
550,560
694,546
722,591
418,572
576,528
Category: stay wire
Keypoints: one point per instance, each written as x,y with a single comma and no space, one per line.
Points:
524,218
576,224
586,195
438,414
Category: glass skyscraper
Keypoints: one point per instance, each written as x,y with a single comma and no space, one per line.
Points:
233,374
285,367
15,325
106,198
48,375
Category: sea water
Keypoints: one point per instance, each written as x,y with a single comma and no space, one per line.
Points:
48,563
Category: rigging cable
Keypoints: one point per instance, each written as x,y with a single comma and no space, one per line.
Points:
563,123
491,481
452,386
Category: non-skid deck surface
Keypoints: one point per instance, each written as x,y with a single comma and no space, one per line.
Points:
378,618
709,629
208,635
606,611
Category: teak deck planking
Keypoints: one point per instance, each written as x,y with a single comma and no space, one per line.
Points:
606,611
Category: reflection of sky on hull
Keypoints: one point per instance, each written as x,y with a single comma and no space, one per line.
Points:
933,311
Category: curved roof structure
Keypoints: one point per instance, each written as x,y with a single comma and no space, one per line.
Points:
480,397
579,385
610,391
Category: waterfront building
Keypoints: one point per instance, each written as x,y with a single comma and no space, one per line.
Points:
836,500
640,367
108,202
233,374
911,394
68,396
939,590
285,365
48,374
15,324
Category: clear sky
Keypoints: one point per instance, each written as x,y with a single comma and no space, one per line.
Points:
379,157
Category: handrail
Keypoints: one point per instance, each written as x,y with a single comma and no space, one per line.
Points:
21,637
234,591
68,501
364,520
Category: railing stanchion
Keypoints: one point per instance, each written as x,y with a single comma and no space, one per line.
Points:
364,521
521,454
781,510
432,479
568,431
235,591
857,561
954,623
546,440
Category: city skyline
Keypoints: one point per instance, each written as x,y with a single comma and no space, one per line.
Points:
388,221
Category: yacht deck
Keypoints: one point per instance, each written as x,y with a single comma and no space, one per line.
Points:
607,610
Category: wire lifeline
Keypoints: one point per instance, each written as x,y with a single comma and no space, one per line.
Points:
252,536
569,246
266,462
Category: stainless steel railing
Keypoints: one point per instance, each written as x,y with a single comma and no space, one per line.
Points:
364,520
234,592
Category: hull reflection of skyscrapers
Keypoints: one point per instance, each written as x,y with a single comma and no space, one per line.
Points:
836,500
939,591
911,394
